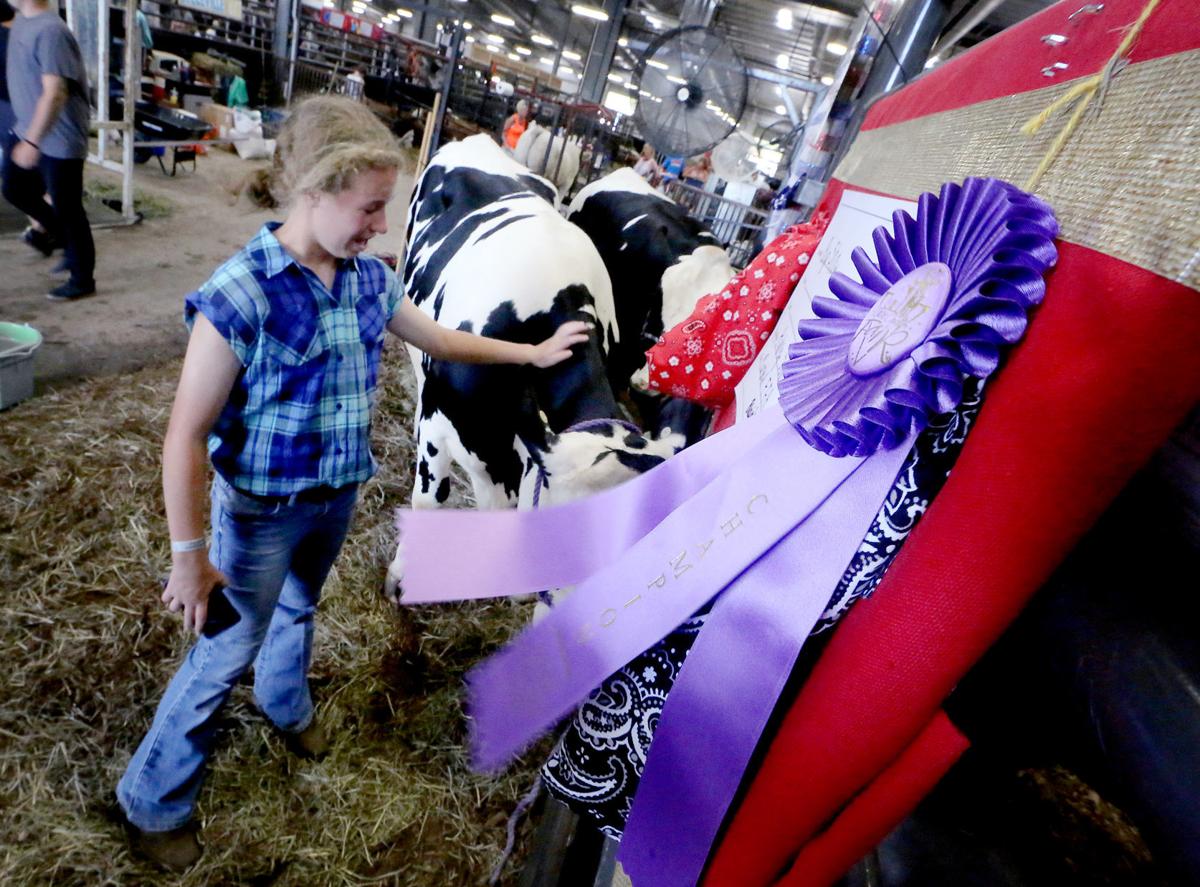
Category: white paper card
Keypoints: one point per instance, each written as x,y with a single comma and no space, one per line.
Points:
856,217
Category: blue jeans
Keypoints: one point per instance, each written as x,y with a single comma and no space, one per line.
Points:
276,558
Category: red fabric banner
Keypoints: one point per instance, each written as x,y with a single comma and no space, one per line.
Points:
1012,62
1109,367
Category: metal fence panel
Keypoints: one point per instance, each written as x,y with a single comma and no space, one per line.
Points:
739,227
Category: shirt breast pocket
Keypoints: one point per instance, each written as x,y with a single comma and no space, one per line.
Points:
296,365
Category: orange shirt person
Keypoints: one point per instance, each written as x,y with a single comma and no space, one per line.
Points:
515,125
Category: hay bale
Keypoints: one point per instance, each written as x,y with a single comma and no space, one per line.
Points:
88,648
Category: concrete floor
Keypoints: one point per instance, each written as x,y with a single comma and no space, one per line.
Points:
143,272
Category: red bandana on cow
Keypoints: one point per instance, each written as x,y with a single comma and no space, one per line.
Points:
705,356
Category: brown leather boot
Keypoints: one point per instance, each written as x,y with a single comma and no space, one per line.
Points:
176,850
311,743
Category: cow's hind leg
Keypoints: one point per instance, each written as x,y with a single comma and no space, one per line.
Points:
431,484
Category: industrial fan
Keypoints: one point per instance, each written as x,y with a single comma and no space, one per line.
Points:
692,89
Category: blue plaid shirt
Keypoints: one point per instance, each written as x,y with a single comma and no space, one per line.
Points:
299,414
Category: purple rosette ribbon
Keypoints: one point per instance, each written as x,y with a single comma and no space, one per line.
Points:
763,516
949,290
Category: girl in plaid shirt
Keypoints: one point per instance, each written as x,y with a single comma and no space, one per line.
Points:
276,390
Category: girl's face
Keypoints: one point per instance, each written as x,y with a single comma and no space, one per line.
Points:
343,223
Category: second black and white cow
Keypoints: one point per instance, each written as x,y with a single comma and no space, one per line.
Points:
488,253
661,262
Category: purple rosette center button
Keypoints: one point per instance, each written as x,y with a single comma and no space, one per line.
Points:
901,320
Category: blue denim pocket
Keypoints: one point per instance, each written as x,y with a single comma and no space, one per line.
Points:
238,504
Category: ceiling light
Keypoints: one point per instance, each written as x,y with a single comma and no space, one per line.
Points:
835,48
494,38
514,56
782,61
590,12
783,19
780,109
467,26
827,80
573,56
615,78
524,50
403,13
470,39
678,80
502,20
546,60
622,42
542,39
657,64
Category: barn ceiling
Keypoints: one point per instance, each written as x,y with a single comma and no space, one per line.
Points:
779,40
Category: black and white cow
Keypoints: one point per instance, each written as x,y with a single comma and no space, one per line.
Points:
488,253
661,262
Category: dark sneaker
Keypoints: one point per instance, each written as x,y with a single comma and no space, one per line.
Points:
41,241
70,291
176,850
311,743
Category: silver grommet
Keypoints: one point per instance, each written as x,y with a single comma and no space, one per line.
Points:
1086,9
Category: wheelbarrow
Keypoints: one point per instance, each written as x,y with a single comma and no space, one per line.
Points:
156,124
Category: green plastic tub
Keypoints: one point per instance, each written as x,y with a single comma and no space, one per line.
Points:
18,343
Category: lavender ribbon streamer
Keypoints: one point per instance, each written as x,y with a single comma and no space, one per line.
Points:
700,751
519,553
663,578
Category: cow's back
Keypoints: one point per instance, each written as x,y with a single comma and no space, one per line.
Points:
489,254
639,234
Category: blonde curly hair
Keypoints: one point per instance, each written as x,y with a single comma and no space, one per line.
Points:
325,142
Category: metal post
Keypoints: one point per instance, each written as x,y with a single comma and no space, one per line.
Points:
283,21
133,88
902,56
604,46
550,142
294,50
451,65
906,47
102,76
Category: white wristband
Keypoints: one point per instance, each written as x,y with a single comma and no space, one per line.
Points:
189,545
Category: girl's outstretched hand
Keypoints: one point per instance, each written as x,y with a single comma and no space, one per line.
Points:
557,348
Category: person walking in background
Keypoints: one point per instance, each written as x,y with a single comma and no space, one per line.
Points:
47,86
147,39
696,172
515,125
647,167
355,83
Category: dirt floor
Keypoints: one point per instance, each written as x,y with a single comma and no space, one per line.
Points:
144,271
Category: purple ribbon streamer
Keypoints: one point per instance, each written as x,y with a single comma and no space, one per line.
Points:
700,752
523,552
665,577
